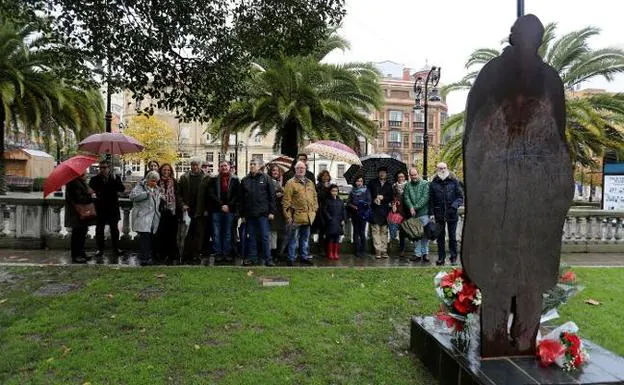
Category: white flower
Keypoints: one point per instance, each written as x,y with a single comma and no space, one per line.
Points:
458,285
477,299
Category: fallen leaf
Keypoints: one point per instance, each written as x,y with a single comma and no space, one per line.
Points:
592,302
250,273
363,286
150,366
22,260
66,350
113,316
3,300
109,296
142,330
160,275
196,347
332,275
50,359
87,383
338,342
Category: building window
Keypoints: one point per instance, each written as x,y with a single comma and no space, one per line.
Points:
210,157
257,157
394,137
232,140
395,118
322,167
419,116
341,171
221,157
405,140
417,138
232,157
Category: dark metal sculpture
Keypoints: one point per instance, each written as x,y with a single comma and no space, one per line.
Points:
519,186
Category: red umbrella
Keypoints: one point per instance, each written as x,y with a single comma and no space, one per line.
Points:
66,172
110,143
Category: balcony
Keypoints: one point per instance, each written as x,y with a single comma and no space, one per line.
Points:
395,123
418,125
417,146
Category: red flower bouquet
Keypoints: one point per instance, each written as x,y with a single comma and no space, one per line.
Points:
460,298
563,347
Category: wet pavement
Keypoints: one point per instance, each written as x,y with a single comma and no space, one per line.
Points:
61,257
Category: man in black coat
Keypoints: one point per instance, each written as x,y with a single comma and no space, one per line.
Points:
107,188
445,197
381,193
222,200
257,207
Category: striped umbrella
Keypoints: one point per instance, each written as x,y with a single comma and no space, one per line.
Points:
283,162
334,151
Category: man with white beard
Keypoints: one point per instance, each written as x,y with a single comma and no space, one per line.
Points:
445,197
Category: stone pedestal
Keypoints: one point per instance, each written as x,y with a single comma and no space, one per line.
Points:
453,363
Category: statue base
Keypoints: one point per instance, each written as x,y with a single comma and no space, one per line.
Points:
457,362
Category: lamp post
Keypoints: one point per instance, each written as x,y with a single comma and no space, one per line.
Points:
235,153
433,78
520,8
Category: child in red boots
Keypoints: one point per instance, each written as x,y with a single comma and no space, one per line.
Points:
334,220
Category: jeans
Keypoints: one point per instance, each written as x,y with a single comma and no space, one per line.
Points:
452,230
146,240
421,246
359,235
113,224
394,232
258,226
301,234
222,232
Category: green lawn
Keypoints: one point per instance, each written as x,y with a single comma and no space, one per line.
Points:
203,326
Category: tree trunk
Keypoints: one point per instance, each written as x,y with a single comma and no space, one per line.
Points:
3,189
290,139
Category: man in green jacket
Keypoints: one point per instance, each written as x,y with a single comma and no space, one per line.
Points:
416,197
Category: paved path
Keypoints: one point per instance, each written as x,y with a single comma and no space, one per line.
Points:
60,257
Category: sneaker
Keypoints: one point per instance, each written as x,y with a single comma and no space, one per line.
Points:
425,259
248,262
384,256
79,260
439,263
377,256
415,258
307,261
98,254
454,261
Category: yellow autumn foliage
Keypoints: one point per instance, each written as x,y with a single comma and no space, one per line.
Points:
156,135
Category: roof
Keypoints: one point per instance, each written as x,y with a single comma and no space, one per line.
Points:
37,153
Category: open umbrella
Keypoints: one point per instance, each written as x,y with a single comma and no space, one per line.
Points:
283,162
66,172
369,167
334,151
110,143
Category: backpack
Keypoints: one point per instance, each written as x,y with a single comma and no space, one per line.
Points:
364,211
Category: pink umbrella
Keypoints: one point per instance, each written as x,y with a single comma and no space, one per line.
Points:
110,143
334,151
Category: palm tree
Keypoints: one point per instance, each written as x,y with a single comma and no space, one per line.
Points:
592,122
300,97
33,98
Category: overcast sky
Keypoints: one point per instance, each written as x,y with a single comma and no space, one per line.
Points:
445,32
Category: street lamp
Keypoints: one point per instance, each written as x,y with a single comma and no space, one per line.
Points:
433,78
520,8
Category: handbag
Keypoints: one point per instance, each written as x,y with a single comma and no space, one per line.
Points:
412,228
395,217
86,211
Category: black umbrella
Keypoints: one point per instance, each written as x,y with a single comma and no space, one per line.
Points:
369,167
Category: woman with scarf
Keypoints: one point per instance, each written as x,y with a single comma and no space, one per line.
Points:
278,224
170,215
359,205
146,199
397,212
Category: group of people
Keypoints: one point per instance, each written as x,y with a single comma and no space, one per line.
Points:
384,206
265,215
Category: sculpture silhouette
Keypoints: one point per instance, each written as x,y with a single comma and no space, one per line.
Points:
519,186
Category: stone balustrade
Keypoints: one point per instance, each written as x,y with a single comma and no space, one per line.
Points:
34,223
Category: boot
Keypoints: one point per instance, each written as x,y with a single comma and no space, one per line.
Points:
336,251
329,250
